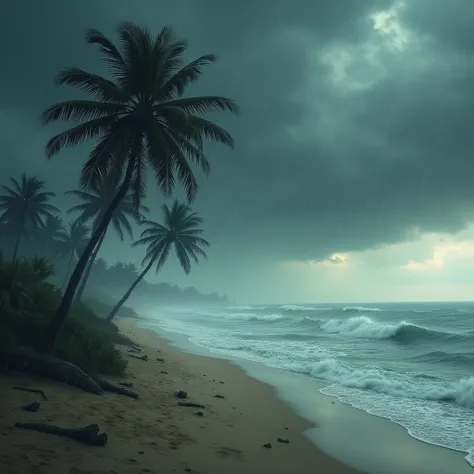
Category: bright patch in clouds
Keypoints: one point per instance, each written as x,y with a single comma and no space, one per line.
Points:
443,253
430,267
358,67
336,259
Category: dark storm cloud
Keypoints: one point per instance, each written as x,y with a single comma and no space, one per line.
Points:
401,153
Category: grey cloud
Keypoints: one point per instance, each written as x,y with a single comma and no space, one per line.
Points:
400,154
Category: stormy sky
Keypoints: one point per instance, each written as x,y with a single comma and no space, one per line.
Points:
352,176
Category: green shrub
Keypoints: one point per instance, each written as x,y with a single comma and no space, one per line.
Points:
27,303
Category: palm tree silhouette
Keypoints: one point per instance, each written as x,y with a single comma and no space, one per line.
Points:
25,204
95,203
71,243
180,230
49,231
140,120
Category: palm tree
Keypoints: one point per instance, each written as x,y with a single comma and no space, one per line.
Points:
25,204
49,231
140,120
96,201
180,230
71,243
122,274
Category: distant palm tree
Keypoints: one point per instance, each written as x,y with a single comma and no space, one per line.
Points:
180,230
25,204
95,203
121,273
141,121
49,231
71,243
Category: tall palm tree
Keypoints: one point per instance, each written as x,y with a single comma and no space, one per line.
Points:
71,243
182,231
95,203
140,119
49,231
25,204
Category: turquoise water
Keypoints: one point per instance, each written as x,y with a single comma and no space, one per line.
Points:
409,363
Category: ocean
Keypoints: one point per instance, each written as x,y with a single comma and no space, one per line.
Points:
409,363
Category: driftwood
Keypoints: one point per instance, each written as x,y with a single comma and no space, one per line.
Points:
142,357
113,387
88,435
32,390
28,360
190,404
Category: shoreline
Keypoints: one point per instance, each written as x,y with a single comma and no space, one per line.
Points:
335,427
154,434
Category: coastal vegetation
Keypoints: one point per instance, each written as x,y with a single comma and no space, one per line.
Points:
142,126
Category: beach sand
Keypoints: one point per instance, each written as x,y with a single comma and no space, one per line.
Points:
154,434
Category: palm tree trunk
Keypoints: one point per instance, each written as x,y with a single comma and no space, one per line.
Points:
68,269
56,324
90,265
17,243
129,292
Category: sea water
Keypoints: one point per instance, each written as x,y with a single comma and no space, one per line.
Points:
410,363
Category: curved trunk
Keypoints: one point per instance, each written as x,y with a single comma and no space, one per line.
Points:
90,265
57,322
68,269
129,292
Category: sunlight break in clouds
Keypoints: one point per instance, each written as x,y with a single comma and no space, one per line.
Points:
336,259
441,253
358,67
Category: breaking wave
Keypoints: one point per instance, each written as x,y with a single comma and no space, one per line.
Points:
403,332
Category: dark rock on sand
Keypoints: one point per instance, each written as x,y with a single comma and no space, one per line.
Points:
219,396
267,445
181,394
33,407
284,441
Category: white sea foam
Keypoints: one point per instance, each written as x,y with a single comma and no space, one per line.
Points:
362,326
361,309
294,307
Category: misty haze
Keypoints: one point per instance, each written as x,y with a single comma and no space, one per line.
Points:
237,237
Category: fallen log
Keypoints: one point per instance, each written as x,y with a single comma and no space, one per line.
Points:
142,357
190,404
28,360
32,390
88,435
113,387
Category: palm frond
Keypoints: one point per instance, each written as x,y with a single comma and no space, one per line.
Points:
92,84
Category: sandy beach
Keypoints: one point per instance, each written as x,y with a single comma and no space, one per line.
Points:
154,434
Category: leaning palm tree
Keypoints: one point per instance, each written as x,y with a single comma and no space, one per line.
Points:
140,119
95,203
182,231
71,243
25,204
